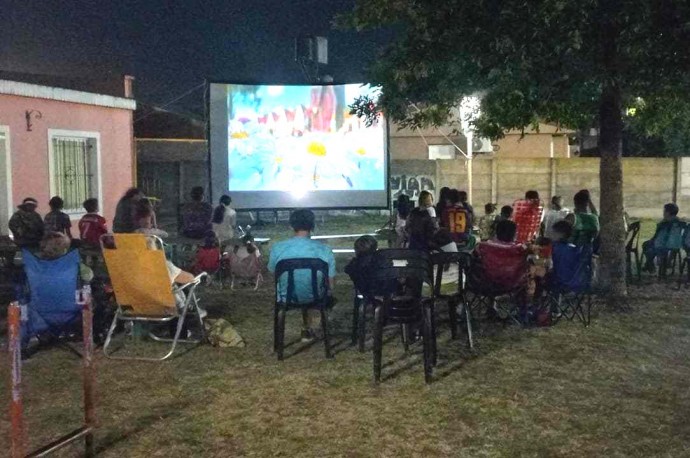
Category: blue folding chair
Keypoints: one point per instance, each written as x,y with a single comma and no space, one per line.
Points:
52,303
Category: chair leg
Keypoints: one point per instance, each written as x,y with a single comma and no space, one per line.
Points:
378,342
628,265
638,264
405,336
428,337
111,330
468,322
355,320
326,335
362,330
453,318
434,350
275,328
281,333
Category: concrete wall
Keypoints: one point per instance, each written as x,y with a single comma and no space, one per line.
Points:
649,183
29,149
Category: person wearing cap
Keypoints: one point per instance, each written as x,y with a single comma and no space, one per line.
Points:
27,225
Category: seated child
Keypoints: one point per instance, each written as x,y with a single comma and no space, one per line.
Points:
208,256
92,225
244,262
145,219
486,222
420,230
458,218
585,222
56,220
57,244
668,235
360,267
556,213
572,265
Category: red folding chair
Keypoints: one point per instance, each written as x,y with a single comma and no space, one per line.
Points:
527,215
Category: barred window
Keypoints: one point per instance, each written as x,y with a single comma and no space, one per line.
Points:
74,170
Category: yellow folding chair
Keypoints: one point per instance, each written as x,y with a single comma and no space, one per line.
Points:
139,275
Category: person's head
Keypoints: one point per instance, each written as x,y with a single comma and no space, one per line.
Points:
133,194
197,193
462,196
506,212
505,231
670,211
454,196
532,195
426,199
210,240
365,245
91,205
562,231
443,195
54,245
225,200
581,200
557,202
29,204
56,203
403,205
302,220
490,209
143,212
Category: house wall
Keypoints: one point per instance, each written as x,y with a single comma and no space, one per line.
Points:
29,150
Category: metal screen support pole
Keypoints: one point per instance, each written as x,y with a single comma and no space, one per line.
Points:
89,372
15,353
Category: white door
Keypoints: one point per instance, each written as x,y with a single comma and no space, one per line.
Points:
5,180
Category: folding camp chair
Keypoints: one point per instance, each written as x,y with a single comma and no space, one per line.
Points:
52,303
632,251
498,280
527,215
318,272
397,295
457,301
569,289
139,275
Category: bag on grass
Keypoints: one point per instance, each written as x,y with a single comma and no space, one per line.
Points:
222,334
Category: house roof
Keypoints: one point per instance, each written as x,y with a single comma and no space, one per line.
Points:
64,89
156,123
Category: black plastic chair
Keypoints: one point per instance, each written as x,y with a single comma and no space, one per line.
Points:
397,295
632,251
440,262
321,300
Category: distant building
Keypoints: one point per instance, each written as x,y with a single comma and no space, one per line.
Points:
58,139
172,156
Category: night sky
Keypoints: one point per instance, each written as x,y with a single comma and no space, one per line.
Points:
172,46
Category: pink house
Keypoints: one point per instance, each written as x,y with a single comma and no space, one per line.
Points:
64,142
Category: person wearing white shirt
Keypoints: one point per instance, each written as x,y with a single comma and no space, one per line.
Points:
555,214
224,219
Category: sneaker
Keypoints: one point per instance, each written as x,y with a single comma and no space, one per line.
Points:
307,335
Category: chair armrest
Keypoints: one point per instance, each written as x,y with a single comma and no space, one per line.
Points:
197,281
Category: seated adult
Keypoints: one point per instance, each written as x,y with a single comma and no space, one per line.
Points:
26,225
302,246
668,235
124,212
585,223
501,263
457,218
420,230
197,215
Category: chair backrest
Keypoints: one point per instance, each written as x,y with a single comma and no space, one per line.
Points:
572,267
671,235
527,215
318,269
458,220
499,267
139,274
398,278
441,260
52,285
633,236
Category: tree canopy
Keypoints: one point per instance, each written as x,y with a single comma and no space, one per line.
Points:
532,60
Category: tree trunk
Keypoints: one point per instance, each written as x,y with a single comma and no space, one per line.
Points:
612,259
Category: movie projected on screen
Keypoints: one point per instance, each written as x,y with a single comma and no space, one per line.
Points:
278,147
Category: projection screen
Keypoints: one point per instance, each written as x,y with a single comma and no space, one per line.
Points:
280,147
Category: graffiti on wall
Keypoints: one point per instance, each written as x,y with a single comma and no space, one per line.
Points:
411,185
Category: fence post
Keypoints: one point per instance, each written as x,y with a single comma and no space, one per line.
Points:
15,353
552,163
677,178
494,179
89,373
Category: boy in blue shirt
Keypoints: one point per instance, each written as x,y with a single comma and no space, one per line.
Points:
667,236
302,246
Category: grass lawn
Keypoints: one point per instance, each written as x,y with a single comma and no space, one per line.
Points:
617,388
